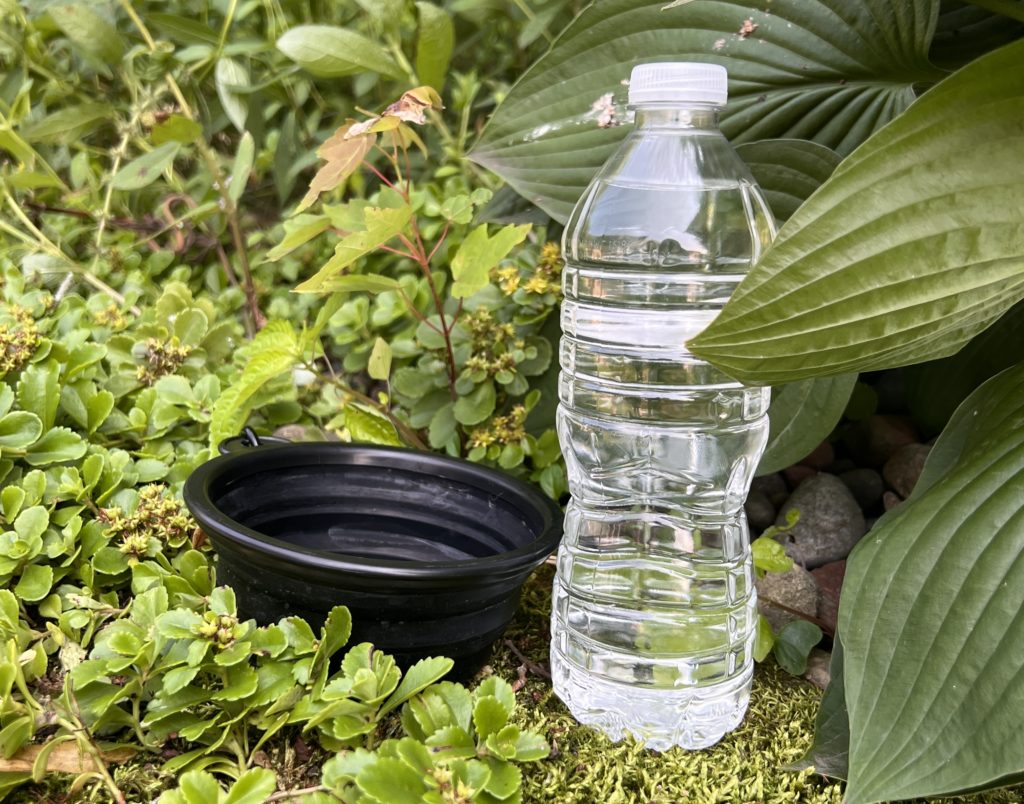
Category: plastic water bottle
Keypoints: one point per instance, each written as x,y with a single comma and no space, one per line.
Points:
654,608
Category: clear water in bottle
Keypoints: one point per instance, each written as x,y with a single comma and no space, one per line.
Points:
654,608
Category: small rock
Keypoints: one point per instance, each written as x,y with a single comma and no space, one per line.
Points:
903,469
760,511
796,475
840,465
874,440
865,485
890,500
831,522
795,589
821,457
818,664
830,583
772,486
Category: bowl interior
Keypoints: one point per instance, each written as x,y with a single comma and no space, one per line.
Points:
377,512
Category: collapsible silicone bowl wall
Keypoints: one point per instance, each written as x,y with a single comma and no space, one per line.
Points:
324,501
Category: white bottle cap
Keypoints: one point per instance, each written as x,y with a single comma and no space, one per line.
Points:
678,81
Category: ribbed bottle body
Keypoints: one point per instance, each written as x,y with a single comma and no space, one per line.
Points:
654,608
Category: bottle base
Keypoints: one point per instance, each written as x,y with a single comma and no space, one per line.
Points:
659,718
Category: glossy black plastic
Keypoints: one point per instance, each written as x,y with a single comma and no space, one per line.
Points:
429,553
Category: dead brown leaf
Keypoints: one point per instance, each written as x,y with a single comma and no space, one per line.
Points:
344,154
66,757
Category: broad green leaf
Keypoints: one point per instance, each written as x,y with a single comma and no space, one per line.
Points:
147,168
479,253
932,616
451,742
489,716
381,224
69,123
829,754
418,677
908,251
801,416
180,677
793,645
788,171
819,70
35,583
435,40
365,427
178,624
379,367
475,407
499,689
19,429
442,426
328,51
252,787
242,682
15,734
56,446
935,389
411,382
230,77
393,781
89,31
298,231
275,350
39,392
244,158
966,31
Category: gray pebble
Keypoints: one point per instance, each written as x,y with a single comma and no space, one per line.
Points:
760,511
903,469
796,589
865,485
831,522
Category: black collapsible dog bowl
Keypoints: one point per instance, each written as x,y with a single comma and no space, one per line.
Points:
429,553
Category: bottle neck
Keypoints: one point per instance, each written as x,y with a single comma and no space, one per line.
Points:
696,116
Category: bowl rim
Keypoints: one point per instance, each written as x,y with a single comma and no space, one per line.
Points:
281,456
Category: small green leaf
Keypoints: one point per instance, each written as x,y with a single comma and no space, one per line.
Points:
176,128
530,747
442,426
64,126
379,367
770,555
435,40
381,224
793,645
39,391
452,742
365,427
245,157
35,583
19,429
336,631
31,523
764,639
11,500
505,778
98,408
242,682
421,675
15,734
411,382
489,716
179,678
147,168
393,781
479,253
56,446
178,624
89,31
476,406
199,787
328,51
502,743
252,787
231,76
351,283
501,690
298,231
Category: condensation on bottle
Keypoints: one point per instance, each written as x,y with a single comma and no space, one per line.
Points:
654,607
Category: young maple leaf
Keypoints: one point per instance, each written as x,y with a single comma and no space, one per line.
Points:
343,153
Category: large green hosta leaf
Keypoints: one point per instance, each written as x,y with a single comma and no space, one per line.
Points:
831,71
932,616
913,246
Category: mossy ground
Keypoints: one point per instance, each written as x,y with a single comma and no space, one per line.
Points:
747,766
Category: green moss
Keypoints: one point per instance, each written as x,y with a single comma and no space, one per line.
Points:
747,766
